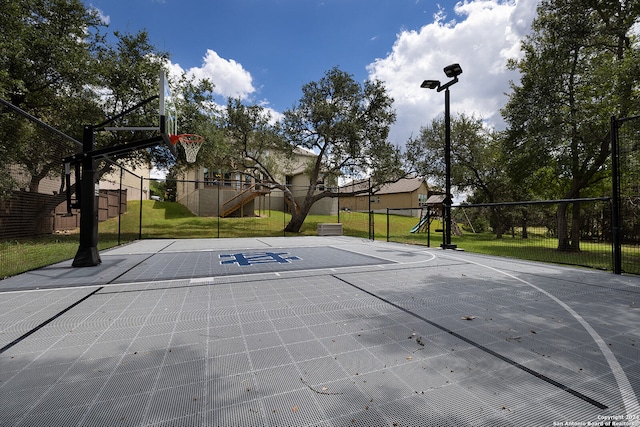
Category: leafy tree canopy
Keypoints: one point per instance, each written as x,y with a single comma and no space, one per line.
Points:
343,123
46,65
477,163
347,125
58,65
580,67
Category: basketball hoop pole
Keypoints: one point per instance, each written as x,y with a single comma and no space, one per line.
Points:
87,255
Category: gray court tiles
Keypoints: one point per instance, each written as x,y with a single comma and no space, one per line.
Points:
316,332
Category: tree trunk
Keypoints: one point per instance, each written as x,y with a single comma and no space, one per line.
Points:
498,226
525,232
575,227
37,175
569,238
296,222
298,215
563,232
299,212
46,207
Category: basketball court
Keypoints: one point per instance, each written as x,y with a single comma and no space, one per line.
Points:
316,331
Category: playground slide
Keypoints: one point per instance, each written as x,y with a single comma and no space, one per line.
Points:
419,225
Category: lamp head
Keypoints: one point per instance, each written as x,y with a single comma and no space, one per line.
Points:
430,84
453,70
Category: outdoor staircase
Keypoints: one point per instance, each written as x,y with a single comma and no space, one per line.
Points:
241,199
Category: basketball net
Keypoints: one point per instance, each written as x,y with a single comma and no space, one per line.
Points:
190,143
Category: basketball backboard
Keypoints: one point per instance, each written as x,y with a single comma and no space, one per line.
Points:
168,113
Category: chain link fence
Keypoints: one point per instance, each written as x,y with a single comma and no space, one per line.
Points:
628,155
38,228
32,197
122,194
526,230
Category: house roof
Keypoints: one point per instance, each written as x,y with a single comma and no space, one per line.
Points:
301,152
436,199
304,152
404,185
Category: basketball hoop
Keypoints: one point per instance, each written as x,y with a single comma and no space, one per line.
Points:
190,143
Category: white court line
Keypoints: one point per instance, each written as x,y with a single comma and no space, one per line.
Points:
197,280
200,280
630,402
62,288
433,256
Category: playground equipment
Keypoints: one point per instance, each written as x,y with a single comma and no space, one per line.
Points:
425,220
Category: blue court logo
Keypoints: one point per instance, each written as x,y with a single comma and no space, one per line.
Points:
243,259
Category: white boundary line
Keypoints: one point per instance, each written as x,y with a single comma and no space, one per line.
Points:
61,288
433,256
201,280
630,402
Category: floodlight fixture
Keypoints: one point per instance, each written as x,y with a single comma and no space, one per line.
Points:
453,70
430,84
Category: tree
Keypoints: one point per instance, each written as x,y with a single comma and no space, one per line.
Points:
58,67
477,164
255,146
127,75
580,66
198,114
45,51
344,123
46,67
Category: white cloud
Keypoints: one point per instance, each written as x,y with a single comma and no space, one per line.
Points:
229,77
275,116
484,35
105,19
175,70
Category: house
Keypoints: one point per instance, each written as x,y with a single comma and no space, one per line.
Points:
134,179
406,193
208,192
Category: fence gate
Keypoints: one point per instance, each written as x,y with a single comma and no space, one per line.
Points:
625,149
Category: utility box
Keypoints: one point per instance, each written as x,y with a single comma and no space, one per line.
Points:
330,229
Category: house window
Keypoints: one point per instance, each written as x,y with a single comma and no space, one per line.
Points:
422,199
320,186
288,180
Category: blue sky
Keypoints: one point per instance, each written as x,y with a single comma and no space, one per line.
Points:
265,50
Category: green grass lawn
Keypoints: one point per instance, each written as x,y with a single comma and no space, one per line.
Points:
173,220
18,256
537,249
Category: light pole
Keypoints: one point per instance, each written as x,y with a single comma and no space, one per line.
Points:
452,71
